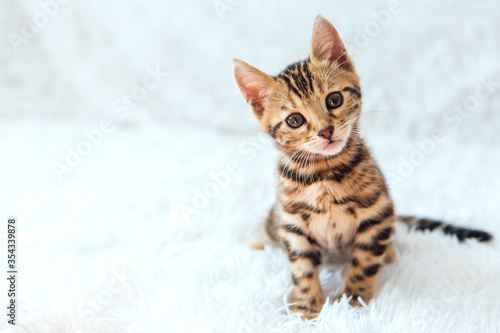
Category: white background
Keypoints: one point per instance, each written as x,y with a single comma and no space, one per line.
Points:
120,208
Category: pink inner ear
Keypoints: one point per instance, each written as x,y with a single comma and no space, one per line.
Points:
333,52
256,94
253,86
327,45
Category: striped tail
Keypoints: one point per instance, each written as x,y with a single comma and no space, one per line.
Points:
462,234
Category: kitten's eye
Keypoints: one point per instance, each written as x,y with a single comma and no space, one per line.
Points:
333,100
295,120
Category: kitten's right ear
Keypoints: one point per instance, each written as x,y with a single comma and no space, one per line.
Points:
327,45
253,84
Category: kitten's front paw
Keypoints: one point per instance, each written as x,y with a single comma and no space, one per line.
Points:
309,305
307,312
354,301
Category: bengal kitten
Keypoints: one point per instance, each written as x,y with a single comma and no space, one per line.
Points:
333,203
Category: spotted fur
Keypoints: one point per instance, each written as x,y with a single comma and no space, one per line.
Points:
333,203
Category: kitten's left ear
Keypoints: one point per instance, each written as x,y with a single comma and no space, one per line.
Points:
253,84
327,45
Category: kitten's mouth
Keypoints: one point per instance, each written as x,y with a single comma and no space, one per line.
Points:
333,147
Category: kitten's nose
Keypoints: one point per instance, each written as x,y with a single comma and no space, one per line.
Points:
326,133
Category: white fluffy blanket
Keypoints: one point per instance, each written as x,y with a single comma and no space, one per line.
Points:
149,230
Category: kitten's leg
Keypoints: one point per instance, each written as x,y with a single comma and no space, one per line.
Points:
257,245
390,255
267,233
369,249
304,260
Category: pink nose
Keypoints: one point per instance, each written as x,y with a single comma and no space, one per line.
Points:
326,133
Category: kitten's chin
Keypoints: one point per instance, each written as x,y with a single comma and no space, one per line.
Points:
332,148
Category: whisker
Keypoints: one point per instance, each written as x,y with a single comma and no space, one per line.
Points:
286,165
381,111
297,174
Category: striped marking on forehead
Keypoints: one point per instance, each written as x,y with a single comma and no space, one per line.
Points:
298,79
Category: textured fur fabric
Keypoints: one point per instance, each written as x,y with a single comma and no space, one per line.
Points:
77,237
107,249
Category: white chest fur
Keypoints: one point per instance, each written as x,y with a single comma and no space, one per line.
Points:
334,230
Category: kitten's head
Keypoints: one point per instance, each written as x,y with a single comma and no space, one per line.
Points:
313,105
